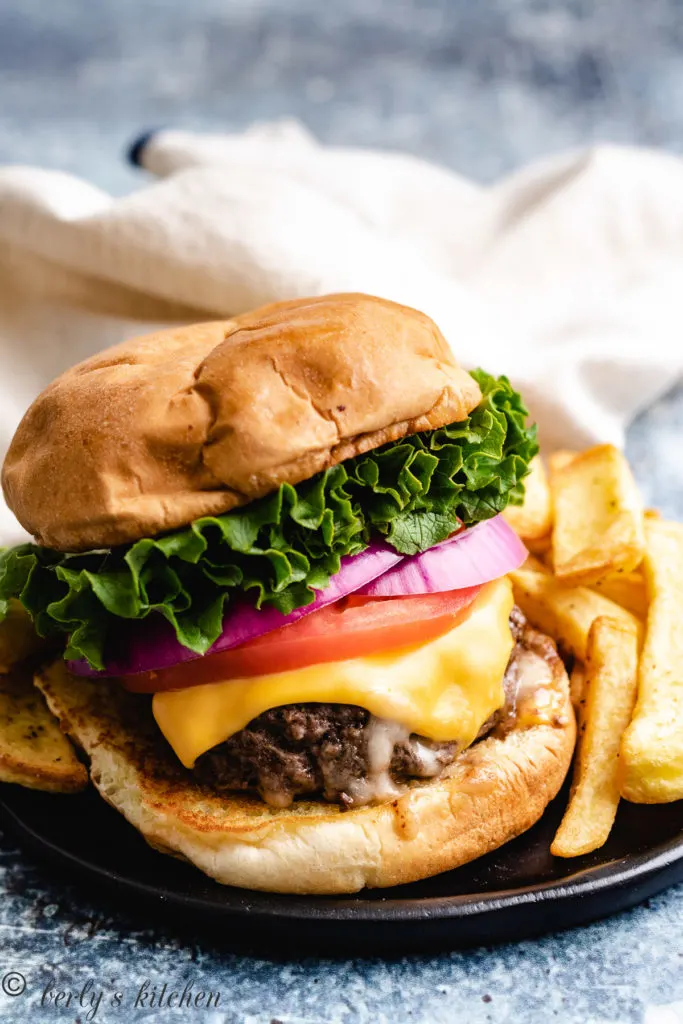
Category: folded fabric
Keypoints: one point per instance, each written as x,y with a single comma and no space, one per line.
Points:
567,276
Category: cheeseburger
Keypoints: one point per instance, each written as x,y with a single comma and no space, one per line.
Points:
272,549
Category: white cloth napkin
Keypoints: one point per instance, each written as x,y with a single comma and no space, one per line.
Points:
567,276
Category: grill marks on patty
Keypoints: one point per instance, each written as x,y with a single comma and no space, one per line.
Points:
339,751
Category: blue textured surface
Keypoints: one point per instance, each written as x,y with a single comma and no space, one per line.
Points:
482,87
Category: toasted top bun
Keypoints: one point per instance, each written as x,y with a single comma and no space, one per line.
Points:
155,432
491,793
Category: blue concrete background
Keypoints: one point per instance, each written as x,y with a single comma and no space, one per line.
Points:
483,87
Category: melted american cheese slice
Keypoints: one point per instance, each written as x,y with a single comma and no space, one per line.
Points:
444,689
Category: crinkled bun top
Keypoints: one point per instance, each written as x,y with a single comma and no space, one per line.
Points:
153,433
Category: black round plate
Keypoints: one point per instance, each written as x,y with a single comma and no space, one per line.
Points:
513,893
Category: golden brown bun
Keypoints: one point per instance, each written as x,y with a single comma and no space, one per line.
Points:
160,430
492,792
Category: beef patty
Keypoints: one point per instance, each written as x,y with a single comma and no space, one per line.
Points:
341,752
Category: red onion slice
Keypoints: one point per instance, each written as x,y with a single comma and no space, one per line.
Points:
478,555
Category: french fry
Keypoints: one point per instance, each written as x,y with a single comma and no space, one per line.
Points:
565,613
598,529
607,705
540,545
534,564
559,459
18,638
547,558
577,682
533,519
34,751
627,589
652,750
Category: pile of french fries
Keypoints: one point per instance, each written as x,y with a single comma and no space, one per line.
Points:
605,579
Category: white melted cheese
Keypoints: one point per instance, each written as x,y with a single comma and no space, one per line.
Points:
533,674
429,758
381,736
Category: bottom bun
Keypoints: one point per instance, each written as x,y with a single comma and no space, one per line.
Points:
490,794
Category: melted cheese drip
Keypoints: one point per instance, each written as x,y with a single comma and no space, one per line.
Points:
444,689
533,673
431,765
382,736
539,700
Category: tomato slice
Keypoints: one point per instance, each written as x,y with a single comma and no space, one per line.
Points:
350,628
